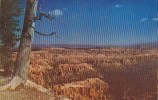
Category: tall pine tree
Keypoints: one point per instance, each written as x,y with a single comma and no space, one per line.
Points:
9,26
20,75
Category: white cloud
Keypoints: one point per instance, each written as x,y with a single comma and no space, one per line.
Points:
143,20
56,12
65,9
118,6
155,19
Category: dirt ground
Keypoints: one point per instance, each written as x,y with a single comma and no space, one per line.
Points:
25,93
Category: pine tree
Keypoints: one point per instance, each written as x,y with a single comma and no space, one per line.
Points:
20,75
9,27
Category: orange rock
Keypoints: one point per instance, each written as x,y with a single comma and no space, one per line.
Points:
84,89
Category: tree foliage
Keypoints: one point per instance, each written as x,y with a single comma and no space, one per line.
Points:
10,11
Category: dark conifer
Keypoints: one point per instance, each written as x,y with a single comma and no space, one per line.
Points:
10,12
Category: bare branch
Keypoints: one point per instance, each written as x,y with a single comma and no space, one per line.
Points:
39,17
43,34
48,16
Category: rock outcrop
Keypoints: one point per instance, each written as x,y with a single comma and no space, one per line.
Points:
78,73
90,89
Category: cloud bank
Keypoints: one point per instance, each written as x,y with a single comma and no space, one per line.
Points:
143,20
56,12
118,6
155,19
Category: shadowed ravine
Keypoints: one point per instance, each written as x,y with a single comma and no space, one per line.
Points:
94,74
115,74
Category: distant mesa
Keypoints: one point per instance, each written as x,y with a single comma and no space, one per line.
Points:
148,45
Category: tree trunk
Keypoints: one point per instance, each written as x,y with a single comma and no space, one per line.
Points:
7,71
22,61
20,74
0,6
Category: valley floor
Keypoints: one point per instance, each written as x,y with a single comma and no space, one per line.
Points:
91,74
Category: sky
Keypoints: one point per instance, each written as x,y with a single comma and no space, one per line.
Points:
99,22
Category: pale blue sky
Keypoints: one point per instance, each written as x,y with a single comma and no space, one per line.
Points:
101,22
